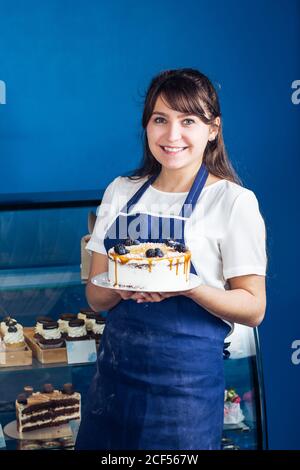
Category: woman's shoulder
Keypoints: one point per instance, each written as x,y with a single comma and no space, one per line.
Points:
228,188
228,194
123,186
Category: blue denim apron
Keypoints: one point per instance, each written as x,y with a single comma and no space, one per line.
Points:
159,382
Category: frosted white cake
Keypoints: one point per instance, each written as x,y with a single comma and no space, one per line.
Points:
168,268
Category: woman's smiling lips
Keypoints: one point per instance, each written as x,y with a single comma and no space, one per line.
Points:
172,150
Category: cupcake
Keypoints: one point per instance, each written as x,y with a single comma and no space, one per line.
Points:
50,336
97,328
63,322
76,330
14,339
7,322
91,320
83,313
40,322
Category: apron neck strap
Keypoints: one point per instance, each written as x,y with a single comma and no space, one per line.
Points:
195,191
137,196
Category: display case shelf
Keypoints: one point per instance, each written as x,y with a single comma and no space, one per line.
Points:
40,278
38,365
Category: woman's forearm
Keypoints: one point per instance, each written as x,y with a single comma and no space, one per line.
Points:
101,299
237,305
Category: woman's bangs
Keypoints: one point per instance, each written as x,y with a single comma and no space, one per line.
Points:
183,100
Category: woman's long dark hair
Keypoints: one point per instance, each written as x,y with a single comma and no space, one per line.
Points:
187,91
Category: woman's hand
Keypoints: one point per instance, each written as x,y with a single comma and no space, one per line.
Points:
140,296
125,294
143,297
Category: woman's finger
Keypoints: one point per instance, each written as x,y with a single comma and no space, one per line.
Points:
144,297
166,295
138,296
147,297
155,296
125,294
141,297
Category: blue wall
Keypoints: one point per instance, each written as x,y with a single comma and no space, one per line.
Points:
75,73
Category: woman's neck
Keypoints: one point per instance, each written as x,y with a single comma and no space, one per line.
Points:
177,181
180,180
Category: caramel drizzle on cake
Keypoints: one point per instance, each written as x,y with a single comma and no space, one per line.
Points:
138,253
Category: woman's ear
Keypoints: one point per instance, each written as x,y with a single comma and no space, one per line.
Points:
214,129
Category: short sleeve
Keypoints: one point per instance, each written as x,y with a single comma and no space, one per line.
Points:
105,214
243,247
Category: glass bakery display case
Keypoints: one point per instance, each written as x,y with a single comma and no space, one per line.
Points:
43,270
245,423
41,275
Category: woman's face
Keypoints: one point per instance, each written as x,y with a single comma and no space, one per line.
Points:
176,140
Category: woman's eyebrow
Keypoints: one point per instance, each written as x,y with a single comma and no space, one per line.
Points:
179,115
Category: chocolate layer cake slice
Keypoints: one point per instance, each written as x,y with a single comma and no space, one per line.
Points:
36,410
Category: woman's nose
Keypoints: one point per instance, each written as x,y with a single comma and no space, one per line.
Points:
173,132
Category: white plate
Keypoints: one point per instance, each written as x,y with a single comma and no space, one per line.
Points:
101,280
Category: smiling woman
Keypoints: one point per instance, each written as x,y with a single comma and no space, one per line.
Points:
160,380
182,110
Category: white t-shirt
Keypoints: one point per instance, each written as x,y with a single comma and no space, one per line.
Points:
225,232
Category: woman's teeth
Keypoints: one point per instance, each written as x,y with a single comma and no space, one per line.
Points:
173,149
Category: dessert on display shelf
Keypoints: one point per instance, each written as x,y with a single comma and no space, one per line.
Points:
63,322
232,408
83,313
50,407
97,328
40,322
11,334
76,330
49,336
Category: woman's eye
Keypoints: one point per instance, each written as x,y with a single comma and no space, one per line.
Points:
155,119
191,120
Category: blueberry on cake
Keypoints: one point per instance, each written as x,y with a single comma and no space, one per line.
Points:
6,323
